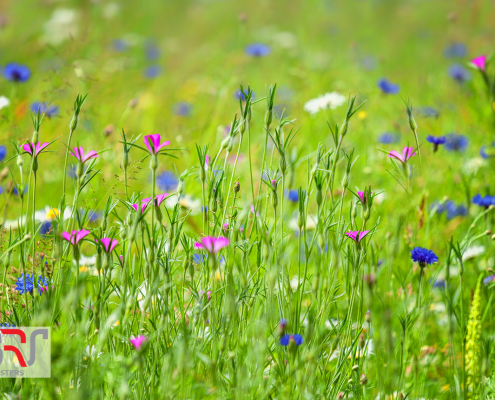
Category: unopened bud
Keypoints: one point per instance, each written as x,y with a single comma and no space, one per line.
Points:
154,162
20,161
73,123
363,380
237,187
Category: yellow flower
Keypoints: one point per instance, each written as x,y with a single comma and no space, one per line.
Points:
362,114
83,268
52,213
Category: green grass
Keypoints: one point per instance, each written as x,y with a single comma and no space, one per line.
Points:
228,346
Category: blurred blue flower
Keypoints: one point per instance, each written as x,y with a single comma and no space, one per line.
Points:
167,181
16,72
436,141
258,50
451,208
485,151
41,283
296,338
3,152
483,201
44,108
152,71
388,87
240,95
6,325
439,284
388,138
456,142
120,45
293,195
15,190
428,112
198,258
182,109
423,256
489,279
45,228
455,50
152,52
459,73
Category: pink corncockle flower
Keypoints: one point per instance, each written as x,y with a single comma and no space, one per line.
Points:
407,153
207,162
225,226
138,342
76,236
144,204
109,244
29,148
361,197
153,144
211,244
122,258
479,62
357,236
79,154
208,294
159,199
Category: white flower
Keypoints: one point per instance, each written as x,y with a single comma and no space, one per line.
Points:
330,100
111,10
4,102
311,222
186,201
472,252
91,354
472,166
61,26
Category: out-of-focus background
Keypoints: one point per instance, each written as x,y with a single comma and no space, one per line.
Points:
174,68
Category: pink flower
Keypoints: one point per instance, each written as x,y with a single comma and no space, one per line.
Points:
207,162
109,244
144,204
29,148
159,199
407,153
76,236
137,342
153,144
480,62
79,154
211,244
357,236
361,197
121,258
208,294
225,226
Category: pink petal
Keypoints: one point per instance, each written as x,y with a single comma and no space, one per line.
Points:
396,155
135,206
220,243
106,243
27,148
81,234
362,235
40,147
361,196
480,62
160,198
91,154
114,244
163,145
67,236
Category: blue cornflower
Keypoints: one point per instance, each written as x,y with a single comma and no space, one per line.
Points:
167,181
45,228
388,138
459,73
456,142
258,50
198,258
42,284
15,190
182,109
44,108
423,256
454,210
428,112
388,87
485,201
120,45
296,338
3,152
93,215
455,50
489,279
293,195
439,284
16,72
7,325
436,141
152,71
485,151
242,95
152,52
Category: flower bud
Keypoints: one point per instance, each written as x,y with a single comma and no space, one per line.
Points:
268,117
125,159
154,162
319,197
73,123
282,164
274,199
343,129
20,161
363,380
35,138
345,181
412,123
237,187
180,187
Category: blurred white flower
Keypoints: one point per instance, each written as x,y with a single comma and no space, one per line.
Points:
186,201
91,354
473,165
61,26
311,222
111,10
472,252
4,102
330,100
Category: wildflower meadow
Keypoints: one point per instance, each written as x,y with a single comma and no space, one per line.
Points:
249,200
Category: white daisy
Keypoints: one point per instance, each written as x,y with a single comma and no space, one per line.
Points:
330,100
